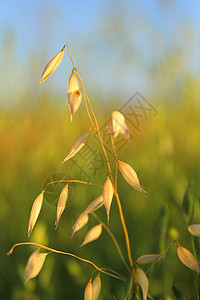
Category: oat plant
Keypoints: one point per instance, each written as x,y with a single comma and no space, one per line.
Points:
138,284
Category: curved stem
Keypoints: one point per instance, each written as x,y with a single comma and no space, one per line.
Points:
118,276
113,238
72,180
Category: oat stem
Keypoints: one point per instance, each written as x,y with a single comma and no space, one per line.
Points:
72,180
110,171
88,113
113,238
115,156
118,276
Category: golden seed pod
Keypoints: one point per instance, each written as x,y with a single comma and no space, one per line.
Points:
93,234
96,204
73,93
148,258
88,291
119,125
61,203
143,282
187,258
194,229
73,84
52,65
34,265
96,287
74,103
80,222
130,176
35,210
107,195
78,145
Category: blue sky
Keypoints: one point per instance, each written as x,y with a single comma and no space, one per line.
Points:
105,32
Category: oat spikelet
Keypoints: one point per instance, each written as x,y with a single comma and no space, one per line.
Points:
107,195
61,203
96,287
73,93
35,210
75,101
93,234
96,204
194,229
119,125
34,265
78,145
187,258
52,65
130,176
80,222
88,291
143,282
148,258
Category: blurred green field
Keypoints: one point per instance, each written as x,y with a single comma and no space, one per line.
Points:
165,153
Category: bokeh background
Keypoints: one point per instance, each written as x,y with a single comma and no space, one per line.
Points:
120,48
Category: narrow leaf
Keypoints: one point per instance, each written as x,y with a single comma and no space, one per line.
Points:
188,204
187,258
81,221
61,203
34,265
130,176
143,282
78,145
194,229
119,125
88,291
148,258
35,210
93,234
107,195
96,204
96,287
128,288
177,292
52,65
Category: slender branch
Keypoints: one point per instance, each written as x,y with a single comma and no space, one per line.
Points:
118,276
88,113
116,170
72,180
115,156
119,205
124,227
113,238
